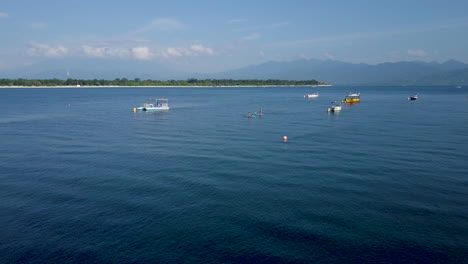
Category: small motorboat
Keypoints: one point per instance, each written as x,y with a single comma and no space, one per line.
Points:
413,97
161,104
312,95
335,107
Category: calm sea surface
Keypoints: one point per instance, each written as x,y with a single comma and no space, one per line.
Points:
84,179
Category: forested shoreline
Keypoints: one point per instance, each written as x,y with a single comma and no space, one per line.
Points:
139,82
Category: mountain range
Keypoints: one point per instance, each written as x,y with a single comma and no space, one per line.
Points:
451,72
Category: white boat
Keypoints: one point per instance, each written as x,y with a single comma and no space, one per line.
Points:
413,97
312,95
334,108
161,104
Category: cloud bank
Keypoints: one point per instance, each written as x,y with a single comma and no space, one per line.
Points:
142,53
193,50
138,52
42,50
103,52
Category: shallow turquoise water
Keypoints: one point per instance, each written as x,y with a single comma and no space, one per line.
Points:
384,181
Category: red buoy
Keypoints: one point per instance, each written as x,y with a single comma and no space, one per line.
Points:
285,139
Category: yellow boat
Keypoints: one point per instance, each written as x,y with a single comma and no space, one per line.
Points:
352,98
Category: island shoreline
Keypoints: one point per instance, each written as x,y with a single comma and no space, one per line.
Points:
162,86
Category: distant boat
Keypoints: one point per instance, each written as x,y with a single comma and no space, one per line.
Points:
335,107
161,104
312,95
260,112
413,97
352,98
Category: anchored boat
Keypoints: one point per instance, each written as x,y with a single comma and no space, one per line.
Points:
312,95
335,107
161,104
413,97
352,98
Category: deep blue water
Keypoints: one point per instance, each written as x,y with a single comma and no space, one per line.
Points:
384,181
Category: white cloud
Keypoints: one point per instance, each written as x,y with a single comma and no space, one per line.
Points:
173,52
261,53
44,50
92,51
199,49
104,52
162,24
417,53
3,15
38,25
193,50
142,53
145,53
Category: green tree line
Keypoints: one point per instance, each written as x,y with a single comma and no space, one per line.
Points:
139,82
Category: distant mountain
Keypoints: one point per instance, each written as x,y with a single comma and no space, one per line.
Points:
453,77
451,72
449,65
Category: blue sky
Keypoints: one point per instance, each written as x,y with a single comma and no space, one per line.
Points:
211,36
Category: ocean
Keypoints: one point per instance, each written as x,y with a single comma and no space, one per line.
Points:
83,179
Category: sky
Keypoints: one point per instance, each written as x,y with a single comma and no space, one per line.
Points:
213,36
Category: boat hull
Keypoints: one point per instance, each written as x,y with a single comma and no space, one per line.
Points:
311,96
152,108
352,100
335,108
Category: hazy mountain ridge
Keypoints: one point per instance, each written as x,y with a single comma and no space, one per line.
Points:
451,72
